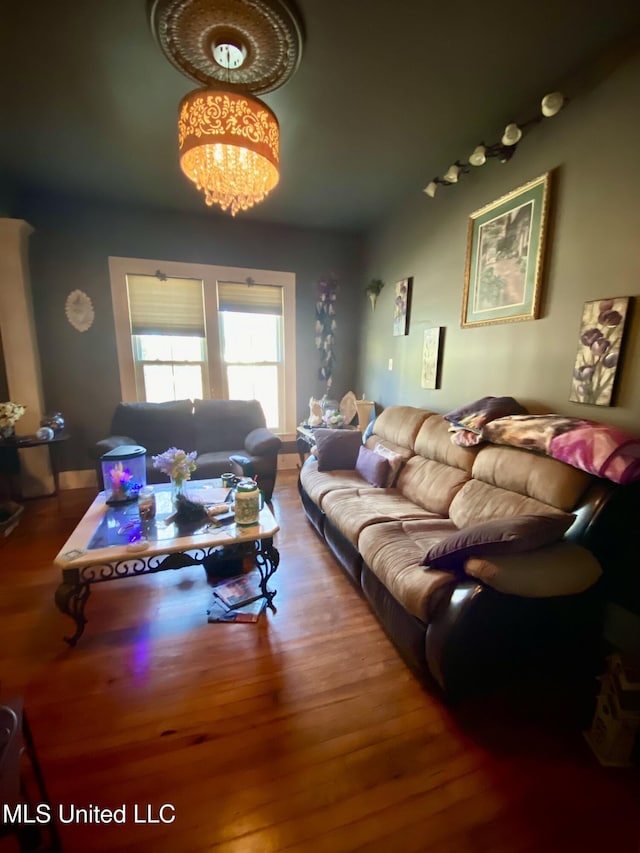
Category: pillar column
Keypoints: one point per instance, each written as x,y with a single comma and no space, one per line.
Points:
20,348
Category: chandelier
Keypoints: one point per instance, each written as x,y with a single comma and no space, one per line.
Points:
228,139
229,147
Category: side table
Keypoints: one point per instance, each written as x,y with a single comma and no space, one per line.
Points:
10,460
304,441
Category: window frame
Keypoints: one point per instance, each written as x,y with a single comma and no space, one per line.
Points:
210,275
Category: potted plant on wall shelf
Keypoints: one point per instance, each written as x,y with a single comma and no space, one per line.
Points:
373,290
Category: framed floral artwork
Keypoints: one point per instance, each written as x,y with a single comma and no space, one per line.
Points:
401,307
599,347
430,357
505,253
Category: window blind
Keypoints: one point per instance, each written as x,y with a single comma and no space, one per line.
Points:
249,298
171,307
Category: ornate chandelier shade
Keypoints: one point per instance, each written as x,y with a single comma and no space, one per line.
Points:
229,140
229,147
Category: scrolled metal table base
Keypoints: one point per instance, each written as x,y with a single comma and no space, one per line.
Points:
72,594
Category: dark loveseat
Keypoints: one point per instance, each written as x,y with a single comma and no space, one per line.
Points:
229,435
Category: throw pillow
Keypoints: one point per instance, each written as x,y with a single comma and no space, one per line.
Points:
467,421
395,463
475,415
337,448
372,467
499,536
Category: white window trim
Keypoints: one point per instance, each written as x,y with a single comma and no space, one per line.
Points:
119,268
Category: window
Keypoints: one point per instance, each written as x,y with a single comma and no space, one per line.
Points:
252,345
170,367
199,332
168,337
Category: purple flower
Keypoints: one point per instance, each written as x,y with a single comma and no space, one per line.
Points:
584,373
591,335
610,318
600,346
175,463
610,359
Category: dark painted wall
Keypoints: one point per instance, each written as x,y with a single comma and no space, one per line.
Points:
593,252
69,249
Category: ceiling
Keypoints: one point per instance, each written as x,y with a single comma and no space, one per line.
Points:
387,95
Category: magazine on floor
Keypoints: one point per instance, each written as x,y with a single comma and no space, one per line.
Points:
238,591
248,613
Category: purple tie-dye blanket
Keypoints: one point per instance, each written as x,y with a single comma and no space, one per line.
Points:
603,450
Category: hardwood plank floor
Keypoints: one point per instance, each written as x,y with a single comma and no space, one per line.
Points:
304,732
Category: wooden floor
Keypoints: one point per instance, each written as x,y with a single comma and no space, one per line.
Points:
305,732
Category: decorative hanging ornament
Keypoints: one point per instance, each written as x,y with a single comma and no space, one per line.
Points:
79,310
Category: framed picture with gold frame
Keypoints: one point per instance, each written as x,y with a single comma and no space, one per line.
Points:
505,255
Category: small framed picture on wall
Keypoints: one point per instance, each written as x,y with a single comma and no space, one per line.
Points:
431,357
598,357
402,307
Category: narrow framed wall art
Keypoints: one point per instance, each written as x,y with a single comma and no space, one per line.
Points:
599,350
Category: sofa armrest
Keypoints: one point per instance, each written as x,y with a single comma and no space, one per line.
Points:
110,443
262,442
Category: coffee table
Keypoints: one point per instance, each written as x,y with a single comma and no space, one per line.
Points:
109,544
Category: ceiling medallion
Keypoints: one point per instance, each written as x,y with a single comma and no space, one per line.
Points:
229,141
268,31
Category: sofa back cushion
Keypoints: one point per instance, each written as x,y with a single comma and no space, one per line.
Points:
508,482
477,502
432,485
156,426
532,475
434,442
224,424
398,427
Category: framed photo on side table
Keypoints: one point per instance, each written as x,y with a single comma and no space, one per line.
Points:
505,254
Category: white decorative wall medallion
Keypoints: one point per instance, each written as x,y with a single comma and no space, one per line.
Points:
79,310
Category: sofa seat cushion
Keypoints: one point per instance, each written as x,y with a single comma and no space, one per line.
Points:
394,552
559,569
209,466
351,510
318,484
431,485
213,464
477,502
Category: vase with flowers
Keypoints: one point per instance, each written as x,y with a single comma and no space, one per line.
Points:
178,465
10,414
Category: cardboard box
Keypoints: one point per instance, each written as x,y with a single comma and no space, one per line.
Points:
613,733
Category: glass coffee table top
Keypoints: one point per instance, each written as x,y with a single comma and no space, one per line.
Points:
110,533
